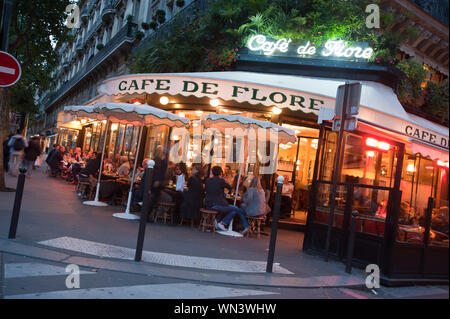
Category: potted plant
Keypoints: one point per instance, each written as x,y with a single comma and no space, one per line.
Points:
130,18
139,35
100,46
179,3
153,25
145,26
161,16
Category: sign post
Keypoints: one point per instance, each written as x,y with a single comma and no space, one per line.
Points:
347,103
10,70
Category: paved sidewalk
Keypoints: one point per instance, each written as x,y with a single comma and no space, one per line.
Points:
52,211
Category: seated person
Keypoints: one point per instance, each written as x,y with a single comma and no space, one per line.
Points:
253,204
286,198
55,163
88,173
214,193
381,211
439,221
124,168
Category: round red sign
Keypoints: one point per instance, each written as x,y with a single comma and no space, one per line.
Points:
9,69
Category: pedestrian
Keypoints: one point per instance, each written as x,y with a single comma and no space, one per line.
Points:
159,180
17,145
6,153
193,198
31,154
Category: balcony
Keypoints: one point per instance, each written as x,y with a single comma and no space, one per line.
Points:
108,11
84,15
79,46
125,37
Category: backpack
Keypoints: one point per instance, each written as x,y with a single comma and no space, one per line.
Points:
19,144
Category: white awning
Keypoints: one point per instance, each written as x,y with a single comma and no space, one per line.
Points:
434,153
379,104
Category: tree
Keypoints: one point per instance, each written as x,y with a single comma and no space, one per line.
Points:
37,28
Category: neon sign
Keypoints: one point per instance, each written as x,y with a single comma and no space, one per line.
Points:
331,48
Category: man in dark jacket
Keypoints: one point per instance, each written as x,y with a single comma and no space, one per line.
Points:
214,193
56,160
159,180
31,153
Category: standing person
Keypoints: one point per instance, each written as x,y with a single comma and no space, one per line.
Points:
286,198
214,193
6,153
17,145
177,196
159,180
193,198
31,154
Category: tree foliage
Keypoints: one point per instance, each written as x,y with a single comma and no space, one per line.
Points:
34,26
228,24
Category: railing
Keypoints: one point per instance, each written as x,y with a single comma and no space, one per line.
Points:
186,15
124,34
437,8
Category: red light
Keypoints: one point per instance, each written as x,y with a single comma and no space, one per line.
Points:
442,163
384,146
137,102
371,142
374,143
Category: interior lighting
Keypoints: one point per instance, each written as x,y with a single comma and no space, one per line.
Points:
214,102
276,110
164,100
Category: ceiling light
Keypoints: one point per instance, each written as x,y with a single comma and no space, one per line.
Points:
276,110
214,102
164,100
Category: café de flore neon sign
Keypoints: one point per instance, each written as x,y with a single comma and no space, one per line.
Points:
333,49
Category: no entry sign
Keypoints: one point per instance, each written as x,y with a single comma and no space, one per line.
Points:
9,69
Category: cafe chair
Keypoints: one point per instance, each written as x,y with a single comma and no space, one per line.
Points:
83,189
207,220
164,210
254,225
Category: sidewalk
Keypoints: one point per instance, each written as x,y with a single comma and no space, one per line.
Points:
54,225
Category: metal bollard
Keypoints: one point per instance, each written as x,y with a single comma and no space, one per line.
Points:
273,235
144,211
17,203
351,243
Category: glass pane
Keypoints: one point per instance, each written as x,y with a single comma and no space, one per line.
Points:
328,156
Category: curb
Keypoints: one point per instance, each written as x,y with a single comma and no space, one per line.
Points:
149,269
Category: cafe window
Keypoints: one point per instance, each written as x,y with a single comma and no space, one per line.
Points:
365,160
422,178
366,178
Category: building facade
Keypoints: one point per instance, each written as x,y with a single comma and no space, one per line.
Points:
107,33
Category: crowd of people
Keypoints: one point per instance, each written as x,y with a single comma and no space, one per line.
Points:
190,189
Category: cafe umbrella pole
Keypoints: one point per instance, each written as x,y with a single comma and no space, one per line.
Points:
229,231
126,214
96,202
